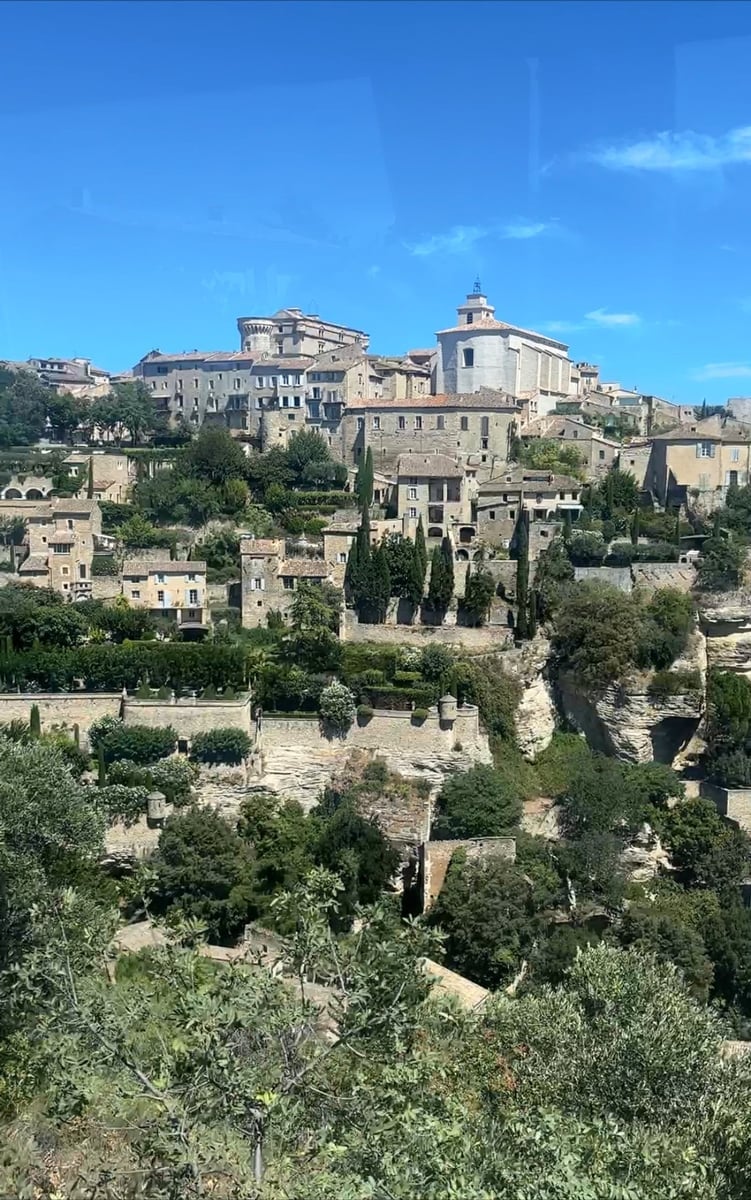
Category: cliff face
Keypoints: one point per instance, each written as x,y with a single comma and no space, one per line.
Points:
536,713
625,721
726,623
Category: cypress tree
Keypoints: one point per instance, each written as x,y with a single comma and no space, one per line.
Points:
415,579
90,485
703,412
447,553
76,736
421,549
35,722
522,578
435,586
717,527
678,528
380,583
352,573
635,522
364,481
532,613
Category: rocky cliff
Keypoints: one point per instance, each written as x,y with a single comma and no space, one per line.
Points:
536,713
726,623
629,723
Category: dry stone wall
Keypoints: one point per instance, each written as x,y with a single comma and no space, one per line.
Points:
189,716
436,859
56,708
298,759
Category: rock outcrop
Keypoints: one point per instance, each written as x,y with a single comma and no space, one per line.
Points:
536,713
726,623
629,723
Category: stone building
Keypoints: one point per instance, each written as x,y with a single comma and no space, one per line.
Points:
596,452
290,331
113,474
78,376
27,487
61,536
479,351
340,533
435,488
544,496
698,462
270,579
196,386
475,429
172,588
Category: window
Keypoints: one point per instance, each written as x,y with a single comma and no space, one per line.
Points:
376,422
285,380
191,578
160,597
418,422
179,385
257,585
82,570
412,493
576,433
65,570
135,594
193,596
483,443
237,385
341,557
297,401
440,422
401,423
512,514
705,450
464,424
160,578
259,381
470,318
484,426
64,549
195,383
361,422
601,455
735,454
468,358
70,524
413,514
733,478
491,514
288,582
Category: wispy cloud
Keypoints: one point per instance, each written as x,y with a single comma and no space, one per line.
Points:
723,370
676,151
521,230
463,237
613,320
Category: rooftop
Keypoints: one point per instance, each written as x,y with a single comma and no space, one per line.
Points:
529,481
254,545
429,466
493,326
32,564
304,568
714,429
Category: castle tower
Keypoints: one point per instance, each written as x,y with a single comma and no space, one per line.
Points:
255,335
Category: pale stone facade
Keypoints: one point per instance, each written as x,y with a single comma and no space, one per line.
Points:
697,463
60,541
544,496
75,375
477,430
479,351
270,579
171,588
113,475
435,488
290,331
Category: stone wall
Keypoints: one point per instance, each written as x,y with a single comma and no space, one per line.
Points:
482,639
297,759
733,803
726,622
189,716
105,587
436,859
60,708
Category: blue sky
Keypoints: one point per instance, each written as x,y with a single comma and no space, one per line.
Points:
168,167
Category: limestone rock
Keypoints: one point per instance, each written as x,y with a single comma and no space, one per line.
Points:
536,713
727,625
645,857
625,721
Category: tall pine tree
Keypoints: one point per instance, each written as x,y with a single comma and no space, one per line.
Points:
90,484
635,523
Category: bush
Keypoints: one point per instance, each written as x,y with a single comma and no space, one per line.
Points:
336,705
597,634
720,565
108,668
228,746
364,712
621,554
104,564
586,549
419,714
407,677
476,803
138,743
656,552
674,683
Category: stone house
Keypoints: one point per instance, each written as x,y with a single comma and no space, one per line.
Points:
27,487
61,536
339,535
479,351
171,588
196,386
596,452
544,496
113,474
475,429
78,376
635,457
270,579
434,487
699,461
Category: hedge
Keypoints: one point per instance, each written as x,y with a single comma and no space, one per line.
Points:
103,564
227,745
108,668
401,699
674,683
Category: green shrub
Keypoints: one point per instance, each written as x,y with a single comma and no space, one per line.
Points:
139,743
621,554
407,677
419,714
336,705
656,552
228,746
476,803
364,712
104,565
674,683
108,668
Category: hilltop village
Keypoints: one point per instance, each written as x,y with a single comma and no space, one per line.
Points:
382,675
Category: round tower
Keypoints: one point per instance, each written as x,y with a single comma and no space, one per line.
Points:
255,335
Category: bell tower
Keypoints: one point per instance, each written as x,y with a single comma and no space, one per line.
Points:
475,310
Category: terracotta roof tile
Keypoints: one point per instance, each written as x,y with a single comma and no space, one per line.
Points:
304,568
429,466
